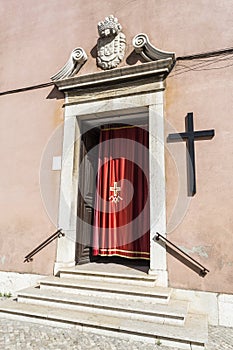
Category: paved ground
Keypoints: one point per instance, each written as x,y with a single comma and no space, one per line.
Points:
17,335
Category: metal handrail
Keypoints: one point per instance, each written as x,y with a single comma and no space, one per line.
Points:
203,269
55,235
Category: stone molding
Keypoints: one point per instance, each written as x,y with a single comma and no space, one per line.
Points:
149,52
97,93
157,70
77,58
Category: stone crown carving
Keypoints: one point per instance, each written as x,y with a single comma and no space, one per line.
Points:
111,43
110,26
77,58
149,52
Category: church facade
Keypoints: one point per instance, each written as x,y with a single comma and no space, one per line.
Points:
116,129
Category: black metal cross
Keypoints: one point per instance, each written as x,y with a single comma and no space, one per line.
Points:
190,136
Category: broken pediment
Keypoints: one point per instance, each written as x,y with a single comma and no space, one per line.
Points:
149,52
110,52
76,60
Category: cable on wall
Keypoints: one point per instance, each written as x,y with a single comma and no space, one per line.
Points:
205,59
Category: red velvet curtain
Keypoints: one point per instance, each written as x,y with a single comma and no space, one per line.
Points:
121,215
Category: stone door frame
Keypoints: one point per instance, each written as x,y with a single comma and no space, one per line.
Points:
80,104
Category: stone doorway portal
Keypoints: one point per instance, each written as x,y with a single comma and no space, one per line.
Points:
92,100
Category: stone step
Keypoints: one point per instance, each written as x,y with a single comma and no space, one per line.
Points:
193,335
172,313
113,290
113,274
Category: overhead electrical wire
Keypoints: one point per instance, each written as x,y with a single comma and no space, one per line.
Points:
27,88
207,54
205,59
202,63
210,61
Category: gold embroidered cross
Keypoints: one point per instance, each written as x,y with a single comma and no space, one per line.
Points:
115,198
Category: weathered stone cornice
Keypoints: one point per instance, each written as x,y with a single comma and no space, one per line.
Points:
155,71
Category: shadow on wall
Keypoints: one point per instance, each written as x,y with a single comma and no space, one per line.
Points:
55,94
93,51
134,57
183,259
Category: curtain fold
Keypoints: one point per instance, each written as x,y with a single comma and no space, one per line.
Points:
121,213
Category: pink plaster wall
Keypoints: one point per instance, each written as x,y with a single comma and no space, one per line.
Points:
36,40
206,229
27,122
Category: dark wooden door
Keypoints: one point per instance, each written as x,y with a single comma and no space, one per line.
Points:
86,193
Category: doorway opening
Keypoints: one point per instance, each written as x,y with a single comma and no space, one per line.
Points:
113,223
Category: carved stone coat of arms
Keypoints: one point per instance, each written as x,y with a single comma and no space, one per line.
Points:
111,43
